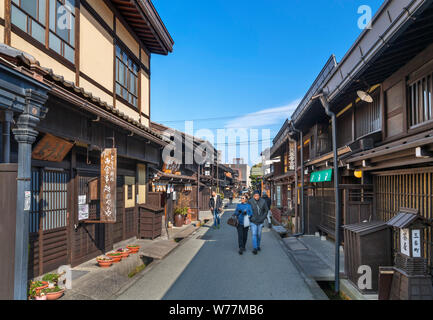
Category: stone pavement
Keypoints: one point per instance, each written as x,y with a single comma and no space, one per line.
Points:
316,257
207,266
90,282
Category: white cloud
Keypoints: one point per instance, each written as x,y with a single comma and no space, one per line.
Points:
264,117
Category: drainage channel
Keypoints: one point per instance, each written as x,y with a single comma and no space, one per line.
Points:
146,262
328,288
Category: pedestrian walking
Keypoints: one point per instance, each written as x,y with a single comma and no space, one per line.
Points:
215,204
243,212
231,197
268,202
260,213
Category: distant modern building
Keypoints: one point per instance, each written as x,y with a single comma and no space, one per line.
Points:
243,170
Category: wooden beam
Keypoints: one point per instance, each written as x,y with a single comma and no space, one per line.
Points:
8,24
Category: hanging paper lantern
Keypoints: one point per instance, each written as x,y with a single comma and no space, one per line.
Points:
358,174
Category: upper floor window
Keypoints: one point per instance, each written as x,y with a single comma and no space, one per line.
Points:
420,100
126,77
30,16
367,116
62,28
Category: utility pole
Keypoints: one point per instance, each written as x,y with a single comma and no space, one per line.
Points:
218,181
325,103
198,192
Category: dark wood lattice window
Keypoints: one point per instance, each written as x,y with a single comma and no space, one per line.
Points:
420,100
130,195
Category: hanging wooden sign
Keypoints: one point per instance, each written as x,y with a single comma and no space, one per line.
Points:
108,185
51,148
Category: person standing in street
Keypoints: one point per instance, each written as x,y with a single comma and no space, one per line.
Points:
260,212
215,204
243,212
268,202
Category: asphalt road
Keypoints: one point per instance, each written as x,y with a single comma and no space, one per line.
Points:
208,267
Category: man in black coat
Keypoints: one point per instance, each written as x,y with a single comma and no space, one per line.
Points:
268,202
215,204
260,213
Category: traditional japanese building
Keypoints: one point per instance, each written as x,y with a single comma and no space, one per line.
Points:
374,109
75,97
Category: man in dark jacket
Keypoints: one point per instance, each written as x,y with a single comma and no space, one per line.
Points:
268,202
260,213
215,204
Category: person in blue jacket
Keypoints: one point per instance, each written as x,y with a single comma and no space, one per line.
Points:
242,211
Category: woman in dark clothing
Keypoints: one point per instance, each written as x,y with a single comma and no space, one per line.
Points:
243,212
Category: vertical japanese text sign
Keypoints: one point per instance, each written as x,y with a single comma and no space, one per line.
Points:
108,185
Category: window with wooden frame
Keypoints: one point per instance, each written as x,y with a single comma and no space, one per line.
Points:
126,77
30,17
367,116
62,28
420,100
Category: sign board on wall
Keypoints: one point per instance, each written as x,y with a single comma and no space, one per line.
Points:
51,148
292,156
404,242
416,243
108,185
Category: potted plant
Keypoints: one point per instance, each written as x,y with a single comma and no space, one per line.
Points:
53,293
104,262
124,252
133,248
179,216
115,256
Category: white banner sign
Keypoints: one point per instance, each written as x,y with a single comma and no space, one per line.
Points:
404,242
416,243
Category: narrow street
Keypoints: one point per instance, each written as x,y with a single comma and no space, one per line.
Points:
208,266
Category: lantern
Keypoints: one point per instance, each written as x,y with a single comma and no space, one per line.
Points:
358,174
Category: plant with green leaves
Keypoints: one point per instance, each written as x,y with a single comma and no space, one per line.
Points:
181,210
51,277
33,286
51,290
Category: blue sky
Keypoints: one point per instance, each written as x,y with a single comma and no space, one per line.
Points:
246,62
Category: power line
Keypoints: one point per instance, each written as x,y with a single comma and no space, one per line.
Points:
259,113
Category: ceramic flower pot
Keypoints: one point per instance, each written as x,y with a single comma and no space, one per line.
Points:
133,249
105,263
55,295
178,220
116,258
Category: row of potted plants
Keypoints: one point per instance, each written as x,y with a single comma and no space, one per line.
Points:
116,256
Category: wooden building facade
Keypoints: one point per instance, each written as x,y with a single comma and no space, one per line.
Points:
384,142
93,60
